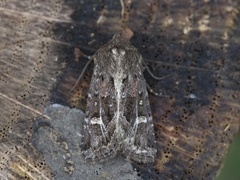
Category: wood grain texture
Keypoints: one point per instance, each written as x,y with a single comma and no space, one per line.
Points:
196,43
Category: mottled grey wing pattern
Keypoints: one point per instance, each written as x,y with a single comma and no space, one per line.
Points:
118,115
96,136
138,112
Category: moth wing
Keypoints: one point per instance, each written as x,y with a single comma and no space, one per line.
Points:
98,143
139,144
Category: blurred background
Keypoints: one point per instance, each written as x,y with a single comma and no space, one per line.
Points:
197,43
231,166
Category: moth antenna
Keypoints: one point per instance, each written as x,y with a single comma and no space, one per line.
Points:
83,71
150,72
155,77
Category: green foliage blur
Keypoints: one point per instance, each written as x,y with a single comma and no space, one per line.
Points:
231,168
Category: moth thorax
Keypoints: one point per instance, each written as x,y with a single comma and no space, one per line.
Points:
118,52
117,70
118,56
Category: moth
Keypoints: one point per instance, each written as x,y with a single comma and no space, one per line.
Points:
118,115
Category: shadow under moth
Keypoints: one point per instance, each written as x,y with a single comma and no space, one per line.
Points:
118,115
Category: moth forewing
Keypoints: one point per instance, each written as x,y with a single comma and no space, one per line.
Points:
118,115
